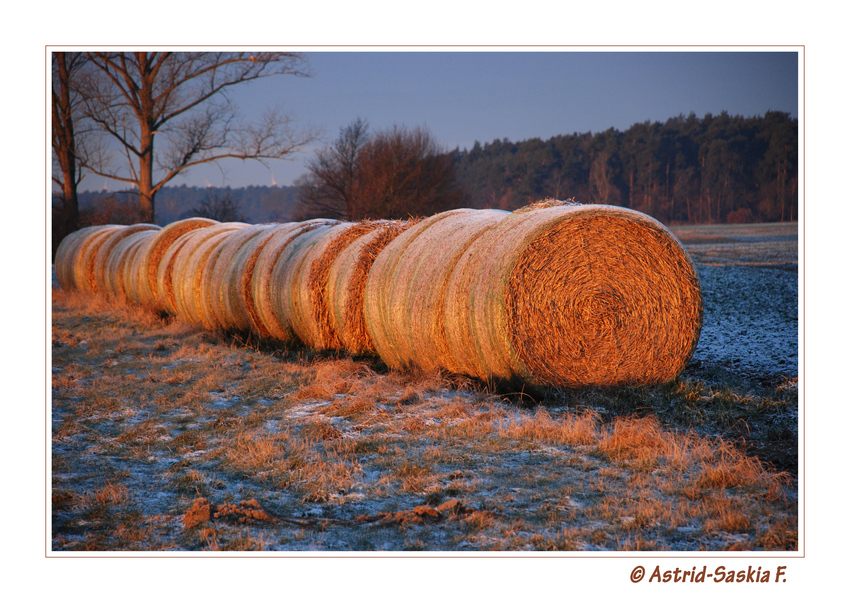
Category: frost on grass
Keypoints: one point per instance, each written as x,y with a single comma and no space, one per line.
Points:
165,437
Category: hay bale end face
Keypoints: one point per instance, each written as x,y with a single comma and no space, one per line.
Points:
573,296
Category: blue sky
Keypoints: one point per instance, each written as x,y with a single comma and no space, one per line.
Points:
482,95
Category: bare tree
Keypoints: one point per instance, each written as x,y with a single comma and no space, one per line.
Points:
393,174
135,96
222,207
330,187
68,141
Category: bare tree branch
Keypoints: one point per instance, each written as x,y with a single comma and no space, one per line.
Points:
180,96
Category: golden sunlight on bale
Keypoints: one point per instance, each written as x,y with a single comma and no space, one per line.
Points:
289,287
239,300
116,263
86,254
265,319
555,293
383,306
99,268
67,253
222,271
147,262
407,285
181,271
311,283
574,295
197,274
347,284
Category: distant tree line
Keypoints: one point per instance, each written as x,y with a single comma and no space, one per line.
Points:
687,170
715,169
253,204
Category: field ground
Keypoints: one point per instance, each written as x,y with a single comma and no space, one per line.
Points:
169,438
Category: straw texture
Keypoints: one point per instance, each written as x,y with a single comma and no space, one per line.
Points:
67,253
266,320
86,254
196,278
179,273
347,277
99,266
383,308
291,295
413,283
147,263
113,275
573,296
556,293
312,283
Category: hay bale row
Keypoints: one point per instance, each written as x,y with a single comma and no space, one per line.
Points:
554,294
574,295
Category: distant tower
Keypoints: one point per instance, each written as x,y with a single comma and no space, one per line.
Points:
274,182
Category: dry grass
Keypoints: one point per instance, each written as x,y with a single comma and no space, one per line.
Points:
151,413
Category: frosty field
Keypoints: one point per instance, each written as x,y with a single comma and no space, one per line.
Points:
168,438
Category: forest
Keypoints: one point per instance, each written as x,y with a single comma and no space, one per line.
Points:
715,169
687,170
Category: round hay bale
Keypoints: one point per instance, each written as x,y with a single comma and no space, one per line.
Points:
222,272
99,267
66,254
187,249
86,254
574,296
418,286
148,261
347,284
132,274
265,322
239,300
196,275
383,308
291,294
312,283
113,273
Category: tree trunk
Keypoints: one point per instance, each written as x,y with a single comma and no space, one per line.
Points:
146,134
63,123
